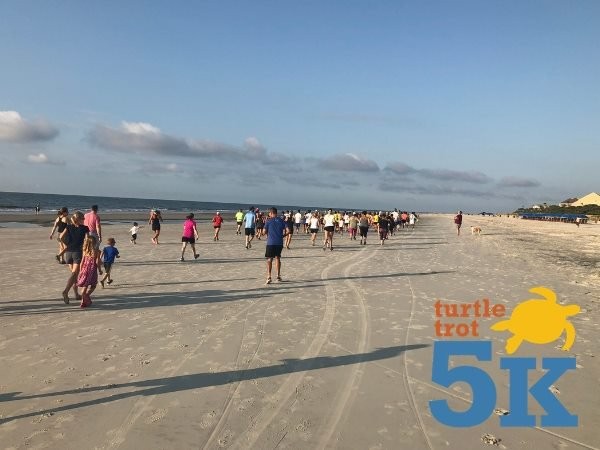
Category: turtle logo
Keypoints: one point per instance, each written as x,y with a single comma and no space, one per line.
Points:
539,321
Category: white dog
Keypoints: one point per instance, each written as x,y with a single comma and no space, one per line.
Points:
476,230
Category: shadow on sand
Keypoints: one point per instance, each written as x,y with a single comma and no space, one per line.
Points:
153,300
180,383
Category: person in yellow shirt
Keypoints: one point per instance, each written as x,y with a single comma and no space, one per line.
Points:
239,217
375,220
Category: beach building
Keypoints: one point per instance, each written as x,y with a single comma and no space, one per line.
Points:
568,202
590,199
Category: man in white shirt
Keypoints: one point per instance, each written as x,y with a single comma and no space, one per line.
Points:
298,220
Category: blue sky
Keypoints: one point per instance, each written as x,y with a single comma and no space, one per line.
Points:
429,105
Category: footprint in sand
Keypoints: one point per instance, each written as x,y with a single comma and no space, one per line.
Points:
208,420
157,415
225,439
490,439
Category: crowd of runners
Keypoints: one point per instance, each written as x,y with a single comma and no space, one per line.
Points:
79,237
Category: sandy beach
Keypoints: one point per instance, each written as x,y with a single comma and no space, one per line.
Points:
202,354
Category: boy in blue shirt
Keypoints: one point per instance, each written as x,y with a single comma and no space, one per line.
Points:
108,256
275,229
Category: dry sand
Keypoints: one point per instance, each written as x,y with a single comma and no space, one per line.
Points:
201,354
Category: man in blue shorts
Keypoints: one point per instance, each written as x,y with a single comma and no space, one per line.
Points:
249,226
275,230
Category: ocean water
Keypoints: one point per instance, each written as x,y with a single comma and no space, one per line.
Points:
25,203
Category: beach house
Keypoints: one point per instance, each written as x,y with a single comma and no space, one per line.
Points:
590,199
568,202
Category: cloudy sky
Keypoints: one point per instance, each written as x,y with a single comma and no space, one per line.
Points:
430,105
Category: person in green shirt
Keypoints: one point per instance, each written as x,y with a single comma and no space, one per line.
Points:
239,217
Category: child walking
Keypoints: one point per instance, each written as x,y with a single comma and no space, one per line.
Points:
88,272
109,253
134,231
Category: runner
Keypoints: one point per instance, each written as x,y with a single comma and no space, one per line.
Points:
298,220
382,228
249,226
307,217
411,219
190,234
260,224
403,219
363,226
275,230
329,227
353,226
313,223
217,222
239,217
289,222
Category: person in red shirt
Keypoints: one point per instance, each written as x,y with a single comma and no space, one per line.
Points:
458,222
217,221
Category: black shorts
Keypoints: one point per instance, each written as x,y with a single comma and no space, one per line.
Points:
314,230
239,223
155,227
134,236
73,257
107,266
217,227
363,231
330,229
273,251
189,240
291,230
249,231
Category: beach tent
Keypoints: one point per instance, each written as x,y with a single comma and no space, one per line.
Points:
555,217
590,199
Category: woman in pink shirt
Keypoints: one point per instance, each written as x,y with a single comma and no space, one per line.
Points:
190,234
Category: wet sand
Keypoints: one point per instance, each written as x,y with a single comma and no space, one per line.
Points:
47,220
201,354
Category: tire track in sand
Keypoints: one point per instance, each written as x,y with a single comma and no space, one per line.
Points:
287,389
349,390
236,386
405,376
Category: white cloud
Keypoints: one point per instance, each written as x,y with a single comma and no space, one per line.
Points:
141,137
349,162
14,128
400,168
42,158
140,128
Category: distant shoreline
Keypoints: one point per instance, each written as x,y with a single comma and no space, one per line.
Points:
46,219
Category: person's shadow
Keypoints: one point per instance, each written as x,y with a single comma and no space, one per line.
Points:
188,382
